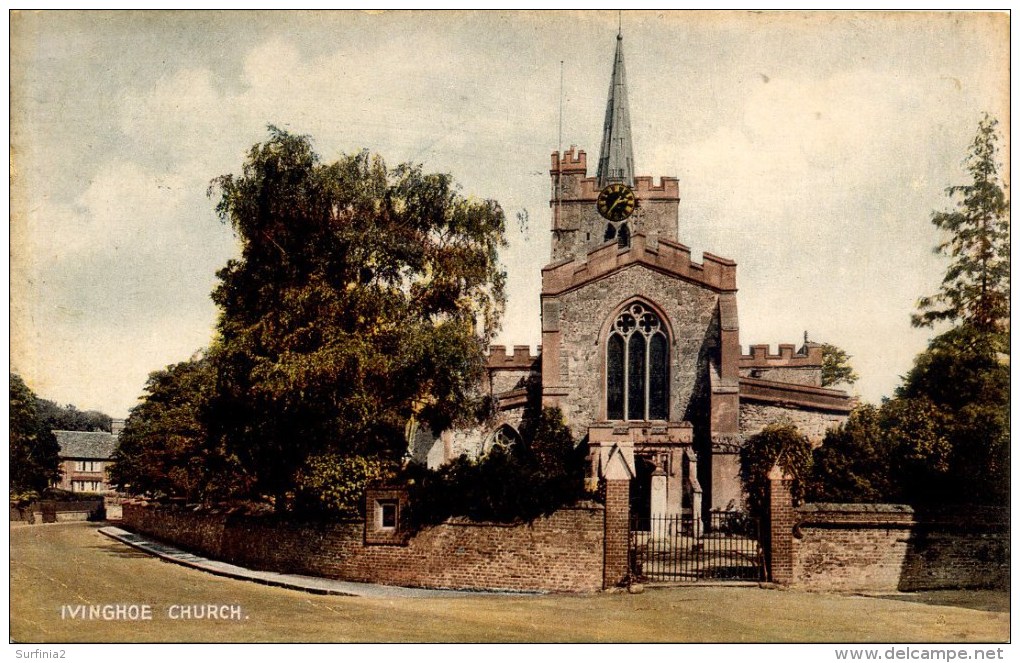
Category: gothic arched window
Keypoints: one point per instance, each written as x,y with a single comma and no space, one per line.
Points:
505,437
637,366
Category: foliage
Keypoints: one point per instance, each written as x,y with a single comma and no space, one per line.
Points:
540,475
836,368
896,453
363,296
943,438
960,367
852,464
34,452
965,374
164,449
915,433
782,443
333,487
975,289
68,417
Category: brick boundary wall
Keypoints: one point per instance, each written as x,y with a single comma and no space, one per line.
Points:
892,547
562,552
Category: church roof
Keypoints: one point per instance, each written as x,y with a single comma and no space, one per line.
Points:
616,158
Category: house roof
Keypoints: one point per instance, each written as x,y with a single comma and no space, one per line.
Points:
79,444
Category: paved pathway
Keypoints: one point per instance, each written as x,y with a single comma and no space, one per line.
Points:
310,584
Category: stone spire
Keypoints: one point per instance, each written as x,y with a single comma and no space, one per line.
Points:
616,159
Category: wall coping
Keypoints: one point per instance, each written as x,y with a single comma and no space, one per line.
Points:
273,519
849,515
849,507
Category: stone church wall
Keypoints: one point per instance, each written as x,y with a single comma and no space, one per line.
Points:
560,552
809,376
813,423
691,310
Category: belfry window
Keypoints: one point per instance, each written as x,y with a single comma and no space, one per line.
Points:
618,231
637,366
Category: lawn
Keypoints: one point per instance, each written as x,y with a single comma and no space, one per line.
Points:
69,565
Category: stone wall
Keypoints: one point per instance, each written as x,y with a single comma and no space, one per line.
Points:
812,423
690,312
886,547
807,376
561,552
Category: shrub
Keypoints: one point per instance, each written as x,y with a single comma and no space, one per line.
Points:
537,477
331,486
781,443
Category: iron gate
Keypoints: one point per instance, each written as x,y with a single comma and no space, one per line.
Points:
674,548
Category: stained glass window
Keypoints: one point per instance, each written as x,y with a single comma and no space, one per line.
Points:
637,366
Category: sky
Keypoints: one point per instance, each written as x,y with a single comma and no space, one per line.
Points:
811,148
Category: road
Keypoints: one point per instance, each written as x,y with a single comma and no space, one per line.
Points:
60,568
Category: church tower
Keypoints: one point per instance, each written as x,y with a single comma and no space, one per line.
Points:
640,345
614,204
638,341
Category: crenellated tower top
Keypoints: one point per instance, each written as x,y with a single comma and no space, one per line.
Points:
577,225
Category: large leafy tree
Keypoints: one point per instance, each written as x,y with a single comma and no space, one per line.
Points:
68,417
975,289
965,375
34,452
363,296
853,462
164,449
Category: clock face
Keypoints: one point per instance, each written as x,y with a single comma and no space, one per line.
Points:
616,202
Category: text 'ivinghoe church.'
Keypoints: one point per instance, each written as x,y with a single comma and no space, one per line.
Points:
640,345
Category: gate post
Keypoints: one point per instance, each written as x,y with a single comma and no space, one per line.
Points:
616,567
782,520
617,472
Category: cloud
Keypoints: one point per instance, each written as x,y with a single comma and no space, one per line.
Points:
818,181
126,207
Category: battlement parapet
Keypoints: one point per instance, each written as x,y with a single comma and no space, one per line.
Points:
759,356
520,359
644,189
667,256
571,161
575,161
668,188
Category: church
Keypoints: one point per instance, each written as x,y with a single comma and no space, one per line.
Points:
641,345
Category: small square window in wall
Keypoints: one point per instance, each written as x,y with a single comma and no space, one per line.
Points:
385,515
388,510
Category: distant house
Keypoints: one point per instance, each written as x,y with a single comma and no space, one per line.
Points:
85,459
